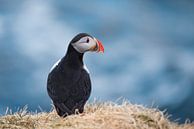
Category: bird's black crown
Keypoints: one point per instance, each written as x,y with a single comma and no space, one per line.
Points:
79,36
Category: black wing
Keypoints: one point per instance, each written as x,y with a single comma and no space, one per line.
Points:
75,96
60,81
82,88
79,94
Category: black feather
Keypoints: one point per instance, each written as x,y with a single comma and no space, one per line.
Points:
79,36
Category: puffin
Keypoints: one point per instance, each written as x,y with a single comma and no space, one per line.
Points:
68,82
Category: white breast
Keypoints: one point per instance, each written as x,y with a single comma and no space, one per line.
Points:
86,69
55,65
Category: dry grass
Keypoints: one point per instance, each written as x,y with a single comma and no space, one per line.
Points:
96,116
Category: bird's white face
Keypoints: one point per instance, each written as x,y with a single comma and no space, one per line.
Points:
88,43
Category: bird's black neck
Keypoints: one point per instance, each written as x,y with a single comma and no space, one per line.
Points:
73,58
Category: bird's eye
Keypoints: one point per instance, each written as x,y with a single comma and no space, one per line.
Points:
87,41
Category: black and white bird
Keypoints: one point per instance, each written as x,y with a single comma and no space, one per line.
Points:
69,84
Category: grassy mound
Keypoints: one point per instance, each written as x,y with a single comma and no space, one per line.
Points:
96,116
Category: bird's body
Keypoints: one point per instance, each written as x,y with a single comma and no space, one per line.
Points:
69,84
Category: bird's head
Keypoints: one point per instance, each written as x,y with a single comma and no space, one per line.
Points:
84,42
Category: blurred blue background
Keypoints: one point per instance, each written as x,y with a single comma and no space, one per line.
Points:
149,51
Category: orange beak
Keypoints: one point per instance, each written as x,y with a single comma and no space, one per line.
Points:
100,46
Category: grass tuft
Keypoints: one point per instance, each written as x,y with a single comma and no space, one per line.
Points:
107,115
